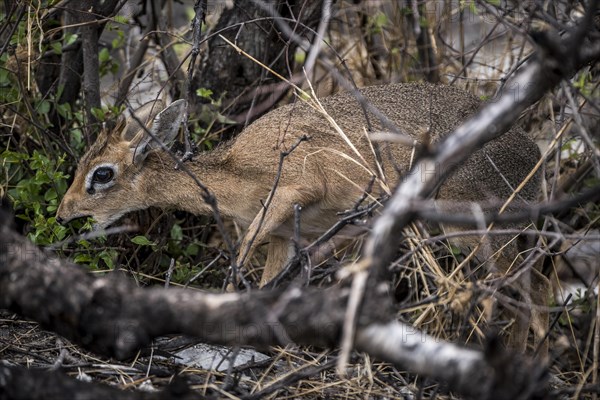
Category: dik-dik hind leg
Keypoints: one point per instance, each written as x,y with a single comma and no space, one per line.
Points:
279,212
540,319
534,289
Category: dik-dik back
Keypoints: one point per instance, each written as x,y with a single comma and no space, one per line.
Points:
326,174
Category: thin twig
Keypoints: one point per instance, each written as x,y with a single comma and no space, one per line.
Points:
265,206
320,37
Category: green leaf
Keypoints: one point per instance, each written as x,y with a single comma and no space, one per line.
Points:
192,249
381,19
122,19
50,195
142,241
82,258
60,232
116,43
43,107
455,250
176,232
114,68
70,38
4,79
104,55
64,110
98,113
57,47
59,91
204,93
83,243
13,157
108,257
300,56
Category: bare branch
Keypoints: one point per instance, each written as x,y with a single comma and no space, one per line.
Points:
320,37
36,384
533,80
113,317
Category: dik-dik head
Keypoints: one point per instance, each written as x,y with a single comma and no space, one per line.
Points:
107,179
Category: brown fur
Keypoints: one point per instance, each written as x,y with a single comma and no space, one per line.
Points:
315,175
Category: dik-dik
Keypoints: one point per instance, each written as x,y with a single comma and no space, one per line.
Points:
126,171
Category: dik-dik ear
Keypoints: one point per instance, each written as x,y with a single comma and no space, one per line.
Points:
141,116
164,129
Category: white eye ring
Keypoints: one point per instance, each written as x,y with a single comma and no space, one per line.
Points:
91,186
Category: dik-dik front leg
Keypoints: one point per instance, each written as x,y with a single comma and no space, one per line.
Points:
278,214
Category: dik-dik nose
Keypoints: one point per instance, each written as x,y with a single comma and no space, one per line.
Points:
62,215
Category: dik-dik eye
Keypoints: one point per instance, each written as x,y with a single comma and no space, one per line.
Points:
100,177
103,175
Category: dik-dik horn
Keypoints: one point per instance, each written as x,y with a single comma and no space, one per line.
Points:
326,174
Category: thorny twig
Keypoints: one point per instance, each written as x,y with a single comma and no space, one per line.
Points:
92,235
203,270
581,129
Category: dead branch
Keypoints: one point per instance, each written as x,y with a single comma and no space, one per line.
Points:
33,384
113,317
461,215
